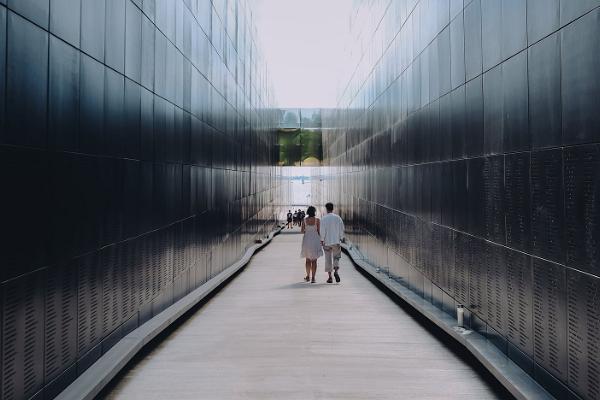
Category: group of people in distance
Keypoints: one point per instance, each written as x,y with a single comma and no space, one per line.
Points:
295,218
322,237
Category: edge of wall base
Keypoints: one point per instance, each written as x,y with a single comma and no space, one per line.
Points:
89,384
510,375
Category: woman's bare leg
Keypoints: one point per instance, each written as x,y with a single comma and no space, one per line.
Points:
307,266
314,269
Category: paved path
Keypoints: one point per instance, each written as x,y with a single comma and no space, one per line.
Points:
269,335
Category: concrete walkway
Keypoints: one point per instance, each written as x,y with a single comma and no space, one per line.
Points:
269,335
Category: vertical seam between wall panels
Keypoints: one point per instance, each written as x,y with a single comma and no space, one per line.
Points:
103,62
560,32
464,58
125,3
530,242
47,33
51,151
565,267
2,133
481,74
528,133
5,95
78,139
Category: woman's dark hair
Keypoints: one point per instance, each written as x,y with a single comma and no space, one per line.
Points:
311,211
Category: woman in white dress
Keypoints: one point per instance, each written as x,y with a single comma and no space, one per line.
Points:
311,243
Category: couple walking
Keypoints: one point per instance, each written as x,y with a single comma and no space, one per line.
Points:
322,237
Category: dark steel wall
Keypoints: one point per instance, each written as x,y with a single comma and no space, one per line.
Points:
465,158
135,164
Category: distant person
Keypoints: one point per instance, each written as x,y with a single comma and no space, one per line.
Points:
295,217
332,234
311,244
289,219
302,215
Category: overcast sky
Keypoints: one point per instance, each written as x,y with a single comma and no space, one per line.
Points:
302,41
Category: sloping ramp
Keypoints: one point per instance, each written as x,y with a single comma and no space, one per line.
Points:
269,335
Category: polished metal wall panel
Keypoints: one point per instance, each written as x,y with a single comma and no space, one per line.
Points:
2,69
447,261
478,277
582,174
458,123
435,255
60,333
23,336
485,113
136,160
63,93
547,205
133,42
93,18
473,39
514,27
491,32
570,10
519,296
550,317
34,10
474,117
91,105
545,19
24,248
443,67
583,293
493,187
543,61
437,192
459,190
132,120
65,20
114,92
580,57
495,287
493,111
447,206
462,260
517,200
147,56
477,197
27,65
516,111
457,52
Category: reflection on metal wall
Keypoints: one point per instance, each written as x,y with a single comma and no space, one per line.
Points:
136,155
465,157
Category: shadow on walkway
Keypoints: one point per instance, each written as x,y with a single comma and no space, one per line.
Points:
308,286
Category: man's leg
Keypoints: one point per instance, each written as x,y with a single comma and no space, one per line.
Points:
327,252
336,251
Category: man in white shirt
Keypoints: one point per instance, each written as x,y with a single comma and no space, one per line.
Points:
332,234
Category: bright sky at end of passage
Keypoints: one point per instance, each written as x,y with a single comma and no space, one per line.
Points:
303,44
